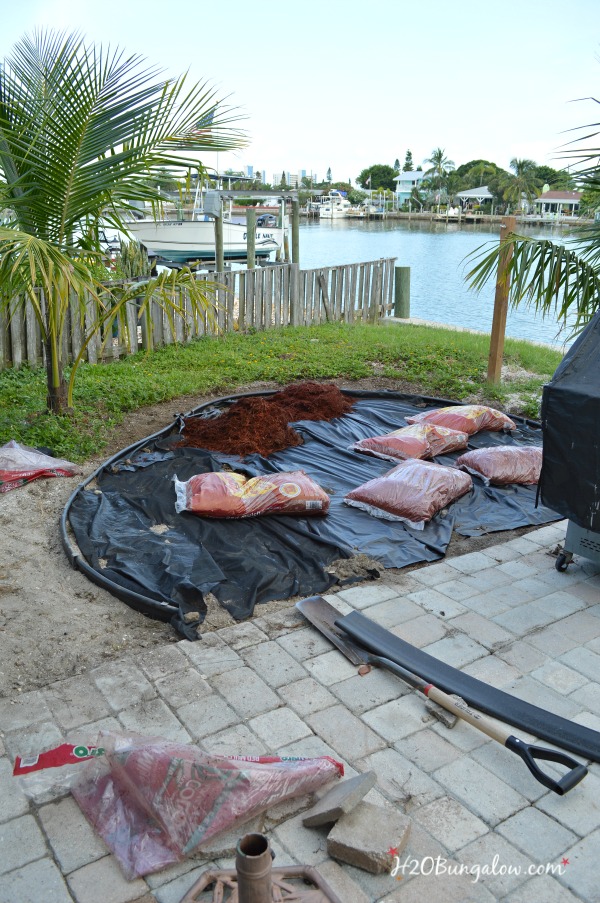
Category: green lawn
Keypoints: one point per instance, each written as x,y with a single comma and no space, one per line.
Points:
438,362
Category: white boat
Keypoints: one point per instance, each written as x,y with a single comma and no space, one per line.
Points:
333,205
180,240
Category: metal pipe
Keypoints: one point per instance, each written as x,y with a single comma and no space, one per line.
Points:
253,863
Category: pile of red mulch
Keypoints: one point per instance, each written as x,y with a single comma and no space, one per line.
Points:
260,425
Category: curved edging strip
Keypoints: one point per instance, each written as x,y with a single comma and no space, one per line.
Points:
157,608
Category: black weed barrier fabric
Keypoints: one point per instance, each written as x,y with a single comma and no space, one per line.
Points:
129,533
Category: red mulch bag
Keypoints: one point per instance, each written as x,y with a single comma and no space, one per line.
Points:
20,464
468,418
504,464
421,440
226,494
161,800
411,492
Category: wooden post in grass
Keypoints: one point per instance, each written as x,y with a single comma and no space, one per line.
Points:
509,225
295,231
250,237
219,255
402,292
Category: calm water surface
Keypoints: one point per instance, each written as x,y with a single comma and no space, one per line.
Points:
436,254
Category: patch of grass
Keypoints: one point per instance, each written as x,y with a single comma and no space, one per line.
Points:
438,362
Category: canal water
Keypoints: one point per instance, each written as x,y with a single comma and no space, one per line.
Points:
436,254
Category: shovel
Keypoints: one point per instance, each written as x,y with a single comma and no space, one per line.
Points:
324,617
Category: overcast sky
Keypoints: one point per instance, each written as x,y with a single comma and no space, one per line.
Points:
343,84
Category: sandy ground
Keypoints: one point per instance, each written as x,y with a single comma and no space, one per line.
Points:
55,623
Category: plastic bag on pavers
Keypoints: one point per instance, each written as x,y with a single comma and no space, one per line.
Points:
502,465
412,492
227,494
420,440
468,418
20,464
53,772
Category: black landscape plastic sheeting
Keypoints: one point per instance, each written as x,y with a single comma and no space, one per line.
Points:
570,482
543,724
162,563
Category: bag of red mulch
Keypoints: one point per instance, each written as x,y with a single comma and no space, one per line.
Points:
228,494
468,418
160,800
20,464
420,440
412,492
503,464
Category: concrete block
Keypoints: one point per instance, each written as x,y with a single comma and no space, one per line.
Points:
450,823
37,881
211,655
306,696
345,732
271,662
279,727
242,635
122,683
183,687
341,799
70,835
481,791
246,692
21,841
153,719
162,660
441,714
76,701
437,603
369,838
103,880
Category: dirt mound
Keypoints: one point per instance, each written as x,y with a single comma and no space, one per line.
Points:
260,425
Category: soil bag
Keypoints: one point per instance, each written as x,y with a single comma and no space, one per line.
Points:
229,494
154,801
420,440
500,466
20,464
412,492
468,418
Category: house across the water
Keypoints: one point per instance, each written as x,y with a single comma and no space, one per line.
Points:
563,203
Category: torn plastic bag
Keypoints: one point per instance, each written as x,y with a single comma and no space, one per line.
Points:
20,464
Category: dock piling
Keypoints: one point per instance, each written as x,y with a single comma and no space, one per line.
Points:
402,292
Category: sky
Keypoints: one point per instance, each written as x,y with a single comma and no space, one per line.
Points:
344,85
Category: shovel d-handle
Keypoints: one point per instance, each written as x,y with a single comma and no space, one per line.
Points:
526,751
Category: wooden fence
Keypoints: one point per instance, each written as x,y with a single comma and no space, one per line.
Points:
267,297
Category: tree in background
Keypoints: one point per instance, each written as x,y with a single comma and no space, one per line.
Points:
408,162
397,165
84,133
523,184
563,280
329,174
282,181
376,177
556,179
439,168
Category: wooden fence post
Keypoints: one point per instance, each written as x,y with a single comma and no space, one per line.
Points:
509,225
295,231
402,292
250,237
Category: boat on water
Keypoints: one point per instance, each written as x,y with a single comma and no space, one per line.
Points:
181,237
333,205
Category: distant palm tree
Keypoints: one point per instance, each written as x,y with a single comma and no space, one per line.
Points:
84,133
523,185
440,166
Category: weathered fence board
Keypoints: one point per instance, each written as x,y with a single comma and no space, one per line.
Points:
263,298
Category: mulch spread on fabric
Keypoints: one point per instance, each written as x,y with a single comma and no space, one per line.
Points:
260,425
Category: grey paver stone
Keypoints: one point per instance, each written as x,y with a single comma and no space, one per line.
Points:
522,656
486,580
306,696
487,604
537,835
340,882
73,840
103,880
29,741
480,790
545,888
364,836
457,650
583,660
560,678
122,683
13,801
183,687
173,891
588,696
399,717
155,719
211,655
529,689
450,823
552,640
393,612
360,693
162,660
279,727
24,885
445,717
303,644
234,741
581,873
246,692
493,671
280,622
242,635
455,888
421,631
76,701
470,563
524,618
209,716
21,711
343,797
400,780
482,630
225,842
427,750
306,845
436,603
580,809
360,597
482,852
509,768
21,841
433,574
330,667
458,590
344,732
276,666
499,553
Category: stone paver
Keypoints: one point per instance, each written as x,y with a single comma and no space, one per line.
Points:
275,685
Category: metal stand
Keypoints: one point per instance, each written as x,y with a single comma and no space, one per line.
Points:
578,541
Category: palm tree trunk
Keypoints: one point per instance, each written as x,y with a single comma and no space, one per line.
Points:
56,399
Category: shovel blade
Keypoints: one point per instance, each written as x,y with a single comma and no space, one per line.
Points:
322,615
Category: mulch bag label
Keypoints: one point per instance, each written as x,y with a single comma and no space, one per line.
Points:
65,754
227,494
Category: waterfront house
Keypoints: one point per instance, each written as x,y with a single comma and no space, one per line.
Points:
406,182
474,196
562,203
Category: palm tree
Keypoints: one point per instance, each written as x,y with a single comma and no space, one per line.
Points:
85,132
563,280
523,185
440,166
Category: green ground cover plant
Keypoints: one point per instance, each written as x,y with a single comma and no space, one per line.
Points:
438,362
